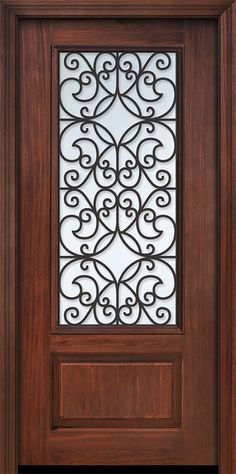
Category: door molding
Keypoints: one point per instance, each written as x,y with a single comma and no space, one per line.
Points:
225,12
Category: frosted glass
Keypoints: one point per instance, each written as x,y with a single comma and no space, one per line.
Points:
117,180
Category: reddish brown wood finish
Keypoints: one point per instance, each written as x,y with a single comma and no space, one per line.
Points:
132,393
2,256
8,264
145,394
125,9
8,322
191,437
34,206
227,234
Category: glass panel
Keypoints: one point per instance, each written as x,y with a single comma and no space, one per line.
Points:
117,197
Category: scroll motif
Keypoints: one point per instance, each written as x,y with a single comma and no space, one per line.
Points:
117,196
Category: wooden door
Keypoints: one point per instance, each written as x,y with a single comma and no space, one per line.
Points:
127,379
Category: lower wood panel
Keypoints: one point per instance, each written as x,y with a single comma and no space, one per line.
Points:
138,391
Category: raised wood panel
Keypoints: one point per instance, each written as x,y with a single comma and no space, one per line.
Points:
128,386
144,392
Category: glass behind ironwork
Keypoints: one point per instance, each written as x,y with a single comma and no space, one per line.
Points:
117,188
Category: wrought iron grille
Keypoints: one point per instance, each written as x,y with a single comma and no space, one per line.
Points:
117,188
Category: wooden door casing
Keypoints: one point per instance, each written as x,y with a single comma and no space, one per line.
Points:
12,11
61,433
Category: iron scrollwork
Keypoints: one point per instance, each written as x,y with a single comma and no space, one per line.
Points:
117,159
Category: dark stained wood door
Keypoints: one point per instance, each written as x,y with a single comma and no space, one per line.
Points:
118,394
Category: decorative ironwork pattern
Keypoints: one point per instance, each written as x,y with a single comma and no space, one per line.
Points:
117,188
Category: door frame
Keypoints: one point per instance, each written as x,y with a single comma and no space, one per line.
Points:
11,12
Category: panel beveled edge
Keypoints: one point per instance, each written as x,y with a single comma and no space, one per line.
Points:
85,361
9,11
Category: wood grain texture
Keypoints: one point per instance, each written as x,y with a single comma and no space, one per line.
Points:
138,390
8,321
228,208
112,8
116,391
232,363
126,344
153,447
3,447
195,441
227,248
199,247
34,246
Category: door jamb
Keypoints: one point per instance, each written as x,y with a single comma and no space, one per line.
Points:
10,13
